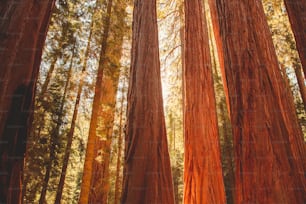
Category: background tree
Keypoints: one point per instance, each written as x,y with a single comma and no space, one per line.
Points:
53,107
287,54
96,109
297,16
101,165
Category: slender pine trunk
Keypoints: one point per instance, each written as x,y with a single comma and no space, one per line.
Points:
56,131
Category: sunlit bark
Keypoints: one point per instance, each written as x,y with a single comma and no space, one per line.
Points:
202,165
96,108
268,144
147,170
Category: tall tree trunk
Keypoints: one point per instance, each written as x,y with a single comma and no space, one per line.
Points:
147,170
101,172
227,155
55,132
48,78
58,54
96,108
23,29
120,141
70,134
100,177
202,165
268,147
297,16
225,132
301,83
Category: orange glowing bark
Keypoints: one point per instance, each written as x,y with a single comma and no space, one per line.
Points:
202,166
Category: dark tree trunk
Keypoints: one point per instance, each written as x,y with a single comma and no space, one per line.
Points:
296,10
269,150
202,165
23,29
147,170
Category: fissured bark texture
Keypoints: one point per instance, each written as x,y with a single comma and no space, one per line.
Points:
147,171
269,151
203,180
23,29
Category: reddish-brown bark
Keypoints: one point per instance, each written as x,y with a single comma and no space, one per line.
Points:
100,171
269,151
203,178
100,182
296,10
301,82
96,110
23,31
147,171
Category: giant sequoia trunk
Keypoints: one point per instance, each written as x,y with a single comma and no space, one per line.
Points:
296,10
23,30
147,171
269,150
203,179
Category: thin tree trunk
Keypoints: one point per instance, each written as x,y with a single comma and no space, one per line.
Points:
70,134
147,170
269,150
301,83
297,16
202,165
55,132
96,108
23,30
228,155
120,141
48,78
